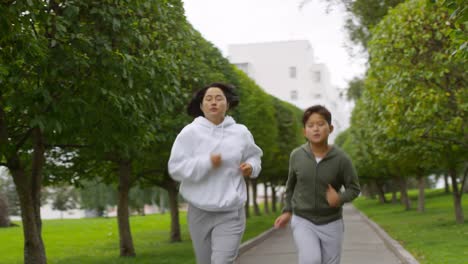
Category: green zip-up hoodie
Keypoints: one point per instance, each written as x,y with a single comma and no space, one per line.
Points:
308,181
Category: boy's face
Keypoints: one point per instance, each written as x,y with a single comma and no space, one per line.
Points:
317,129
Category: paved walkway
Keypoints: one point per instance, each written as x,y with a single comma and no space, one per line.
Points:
364,243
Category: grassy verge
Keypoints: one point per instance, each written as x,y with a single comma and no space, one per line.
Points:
96,240
431,237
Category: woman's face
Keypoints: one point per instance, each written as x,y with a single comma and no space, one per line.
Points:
214,105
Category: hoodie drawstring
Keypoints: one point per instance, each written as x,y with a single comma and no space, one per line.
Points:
221,139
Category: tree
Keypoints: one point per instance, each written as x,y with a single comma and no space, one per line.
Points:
355,88
4,217
82,74
257,103
97,196
289,137
64,198
418,86
363,16
7,187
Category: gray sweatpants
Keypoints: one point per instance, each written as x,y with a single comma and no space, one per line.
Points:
317,244
216,236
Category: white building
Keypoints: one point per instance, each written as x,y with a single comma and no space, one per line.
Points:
287,70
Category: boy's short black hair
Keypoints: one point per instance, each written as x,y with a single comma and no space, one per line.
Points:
319,109
193,108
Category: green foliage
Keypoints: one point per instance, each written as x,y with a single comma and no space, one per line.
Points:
341,139
97,196
411,115
415,86
7,187
64,198
459,17
364,15
256,111
289,122
139,197
89,73
355,88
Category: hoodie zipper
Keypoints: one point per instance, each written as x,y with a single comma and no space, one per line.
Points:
315,183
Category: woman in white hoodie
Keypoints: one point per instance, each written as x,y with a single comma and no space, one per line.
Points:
210,157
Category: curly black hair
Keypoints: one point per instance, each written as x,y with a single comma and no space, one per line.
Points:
193,108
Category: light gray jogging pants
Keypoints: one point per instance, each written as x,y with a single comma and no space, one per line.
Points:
216,236
317,244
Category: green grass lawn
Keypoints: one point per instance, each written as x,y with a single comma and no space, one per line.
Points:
96,240
431,237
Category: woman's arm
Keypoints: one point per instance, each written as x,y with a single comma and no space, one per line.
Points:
252,155
183,165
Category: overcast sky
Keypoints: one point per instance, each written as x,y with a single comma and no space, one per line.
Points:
225,22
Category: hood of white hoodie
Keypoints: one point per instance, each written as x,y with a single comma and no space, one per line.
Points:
216,132
201,120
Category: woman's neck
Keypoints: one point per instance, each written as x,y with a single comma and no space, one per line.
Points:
216,120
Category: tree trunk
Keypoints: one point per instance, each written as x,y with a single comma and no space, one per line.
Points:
254,197
174,208
394,187
141,211
125,234
162,204
457,195
380,192
373,192
247,203
404,192
421,194
282,200
446,184
465,181
394,197
273,198
266,207
4,217
366,191
28,188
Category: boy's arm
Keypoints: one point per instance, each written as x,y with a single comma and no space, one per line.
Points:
290,185
351,182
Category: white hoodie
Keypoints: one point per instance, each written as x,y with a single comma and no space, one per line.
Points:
205,187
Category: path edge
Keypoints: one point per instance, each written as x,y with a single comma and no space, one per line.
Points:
391,243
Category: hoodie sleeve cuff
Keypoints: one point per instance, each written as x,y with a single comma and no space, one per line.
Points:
255,168
342,199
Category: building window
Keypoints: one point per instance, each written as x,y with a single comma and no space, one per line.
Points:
292,72
316,76
293,95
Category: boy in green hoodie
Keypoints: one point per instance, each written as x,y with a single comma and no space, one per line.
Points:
314,200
